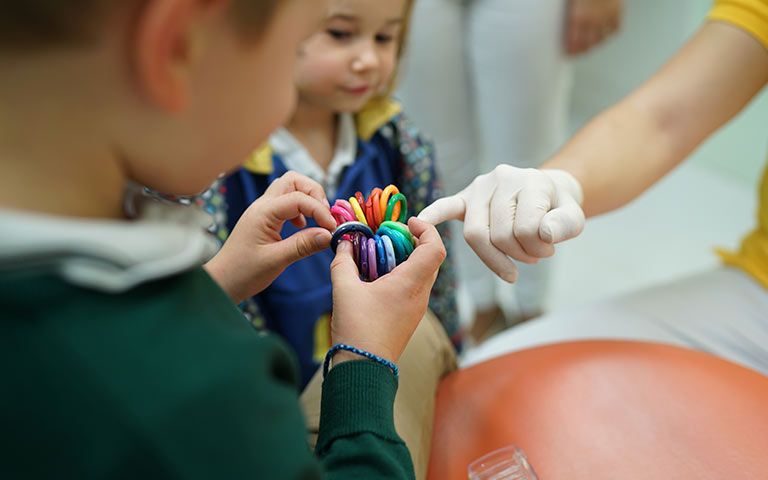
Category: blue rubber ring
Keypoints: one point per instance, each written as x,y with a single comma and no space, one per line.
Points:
347,228
390,249
398,241
381,253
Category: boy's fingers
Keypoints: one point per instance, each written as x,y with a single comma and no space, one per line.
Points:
302,244
295,182
422,265
292,205
423,230
299,222
443,209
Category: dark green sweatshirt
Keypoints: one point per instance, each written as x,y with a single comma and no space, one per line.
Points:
167,380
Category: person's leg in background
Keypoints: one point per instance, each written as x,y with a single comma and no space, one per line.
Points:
436,94
521,80
722,312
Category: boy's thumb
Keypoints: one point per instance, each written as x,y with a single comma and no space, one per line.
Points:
343,266
305,243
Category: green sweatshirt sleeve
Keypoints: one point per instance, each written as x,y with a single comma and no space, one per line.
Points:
357,437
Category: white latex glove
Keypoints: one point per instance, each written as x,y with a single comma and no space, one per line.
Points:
514,212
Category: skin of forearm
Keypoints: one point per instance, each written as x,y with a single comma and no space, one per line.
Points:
634,152
630,146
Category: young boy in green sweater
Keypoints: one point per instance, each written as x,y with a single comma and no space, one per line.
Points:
121,356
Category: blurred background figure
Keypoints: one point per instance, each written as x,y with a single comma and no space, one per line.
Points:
491,81
720,309
707,202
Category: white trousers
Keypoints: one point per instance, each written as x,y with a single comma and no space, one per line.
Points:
488,80
723,311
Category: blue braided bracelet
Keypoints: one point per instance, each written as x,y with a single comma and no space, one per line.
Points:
362,353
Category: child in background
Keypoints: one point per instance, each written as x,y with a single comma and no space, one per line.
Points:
349,136
120,356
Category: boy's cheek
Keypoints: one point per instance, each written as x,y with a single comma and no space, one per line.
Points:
312,16
290,105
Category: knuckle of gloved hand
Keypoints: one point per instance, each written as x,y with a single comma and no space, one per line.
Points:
526,232
543,183
507,172
534,176
481,182
502,239
475,236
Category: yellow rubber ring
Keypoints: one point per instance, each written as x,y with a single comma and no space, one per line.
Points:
358,210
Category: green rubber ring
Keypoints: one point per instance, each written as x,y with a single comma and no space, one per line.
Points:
399,242
399,197
400,228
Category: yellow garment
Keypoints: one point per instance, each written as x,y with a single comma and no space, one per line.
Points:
368,121
260,161
751,16
375,115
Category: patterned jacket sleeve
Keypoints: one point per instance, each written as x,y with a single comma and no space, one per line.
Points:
420,183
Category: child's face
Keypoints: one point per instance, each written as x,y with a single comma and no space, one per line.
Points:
353,57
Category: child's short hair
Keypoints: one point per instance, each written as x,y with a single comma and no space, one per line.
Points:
48,23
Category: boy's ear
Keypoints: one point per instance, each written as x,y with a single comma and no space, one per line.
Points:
167,35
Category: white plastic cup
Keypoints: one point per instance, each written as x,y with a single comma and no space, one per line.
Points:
508,463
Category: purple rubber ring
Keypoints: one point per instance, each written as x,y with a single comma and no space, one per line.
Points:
356,240
373,263
364,258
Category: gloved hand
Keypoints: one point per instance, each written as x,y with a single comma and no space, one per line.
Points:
514,212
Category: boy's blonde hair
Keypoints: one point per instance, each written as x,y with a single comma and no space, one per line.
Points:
50,23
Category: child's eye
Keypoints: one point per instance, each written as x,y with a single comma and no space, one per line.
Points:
384,38
339,34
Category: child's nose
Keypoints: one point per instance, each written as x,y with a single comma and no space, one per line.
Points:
366,58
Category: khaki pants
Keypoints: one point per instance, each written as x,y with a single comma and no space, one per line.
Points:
427,358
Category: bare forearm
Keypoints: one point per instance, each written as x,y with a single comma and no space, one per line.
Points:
617,156
630,146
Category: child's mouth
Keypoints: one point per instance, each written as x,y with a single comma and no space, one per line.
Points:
361,90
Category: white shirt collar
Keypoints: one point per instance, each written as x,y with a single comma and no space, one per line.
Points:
297,158
109,255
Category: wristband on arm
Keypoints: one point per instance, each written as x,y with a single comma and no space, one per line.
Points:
362,353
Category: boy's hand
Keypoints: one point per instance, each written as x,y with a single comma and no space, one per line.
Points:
514,212
255,253
380,316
